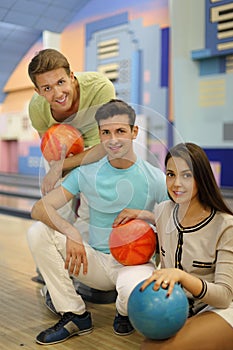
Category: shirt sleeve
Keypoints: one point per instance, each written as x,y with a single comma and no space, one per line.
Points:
71,182
95,89
106,92
91,137
160,187
40,114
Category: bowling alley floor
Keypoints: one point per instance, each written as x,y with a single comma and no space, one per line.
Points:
22,311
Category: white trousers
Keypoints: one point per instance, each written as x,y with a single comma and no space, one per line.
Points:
48,248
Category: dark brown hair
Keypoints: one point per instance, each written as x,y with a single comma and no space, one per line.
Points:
115,107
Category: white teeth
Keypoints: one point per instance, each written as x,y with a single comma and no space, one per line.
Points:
114,147
61,101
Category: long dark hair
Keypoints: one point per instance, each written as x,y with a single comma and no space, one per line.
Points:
198,162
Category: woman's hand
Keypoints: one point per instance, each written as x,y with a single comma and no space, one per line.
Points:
75,257
125,216
165,278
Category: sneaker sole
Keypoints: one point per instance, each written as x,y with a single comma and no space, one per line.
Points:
123,334
84,332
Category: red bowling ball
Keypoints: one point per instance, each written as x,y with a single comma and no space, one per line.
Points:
133,243
58,135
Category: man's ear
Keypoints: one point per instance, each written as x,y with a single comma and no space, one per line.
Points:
135,132
72,77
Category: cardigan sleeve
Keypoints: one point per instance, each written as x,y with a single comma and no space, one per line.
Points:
220,293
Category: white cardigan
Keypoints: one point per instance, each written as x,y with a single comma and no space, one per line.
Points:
206,251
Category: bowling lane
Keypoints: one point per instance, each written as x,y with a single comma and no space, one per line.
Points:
16,206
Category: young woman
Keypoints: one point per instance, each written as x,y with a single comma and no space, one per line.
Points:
195,233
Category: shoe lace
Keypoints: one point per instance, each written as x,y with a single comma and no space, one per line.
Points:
65,317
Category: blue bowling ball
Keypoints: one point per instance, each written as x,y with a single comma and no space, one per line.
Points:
155,315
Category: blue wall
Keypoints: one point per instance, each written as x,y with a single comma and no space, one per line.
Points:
225,157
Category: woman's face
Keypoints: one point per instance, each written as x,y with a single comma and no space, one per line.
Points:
181,184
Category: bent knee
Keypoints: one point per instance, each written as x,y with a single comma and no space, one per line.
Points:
37,235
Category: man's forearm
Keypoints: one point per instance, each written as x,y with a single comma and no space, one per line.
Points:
41,211
49,216
90,155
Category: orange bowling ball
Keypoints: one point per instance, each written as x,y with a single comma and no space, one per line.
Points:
133,243
58,135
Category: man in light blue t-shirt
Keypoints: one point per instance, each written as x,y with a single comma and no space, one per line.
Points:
118,181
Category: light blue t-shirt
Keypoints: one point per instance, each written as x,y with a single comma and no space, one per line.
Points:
109,190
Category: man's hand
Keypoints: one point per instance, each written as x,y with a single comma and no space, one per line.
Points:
128,214
75,257
54,173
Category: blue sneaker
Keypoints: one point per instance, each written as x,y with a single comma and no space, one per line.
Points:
70,324
122,325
